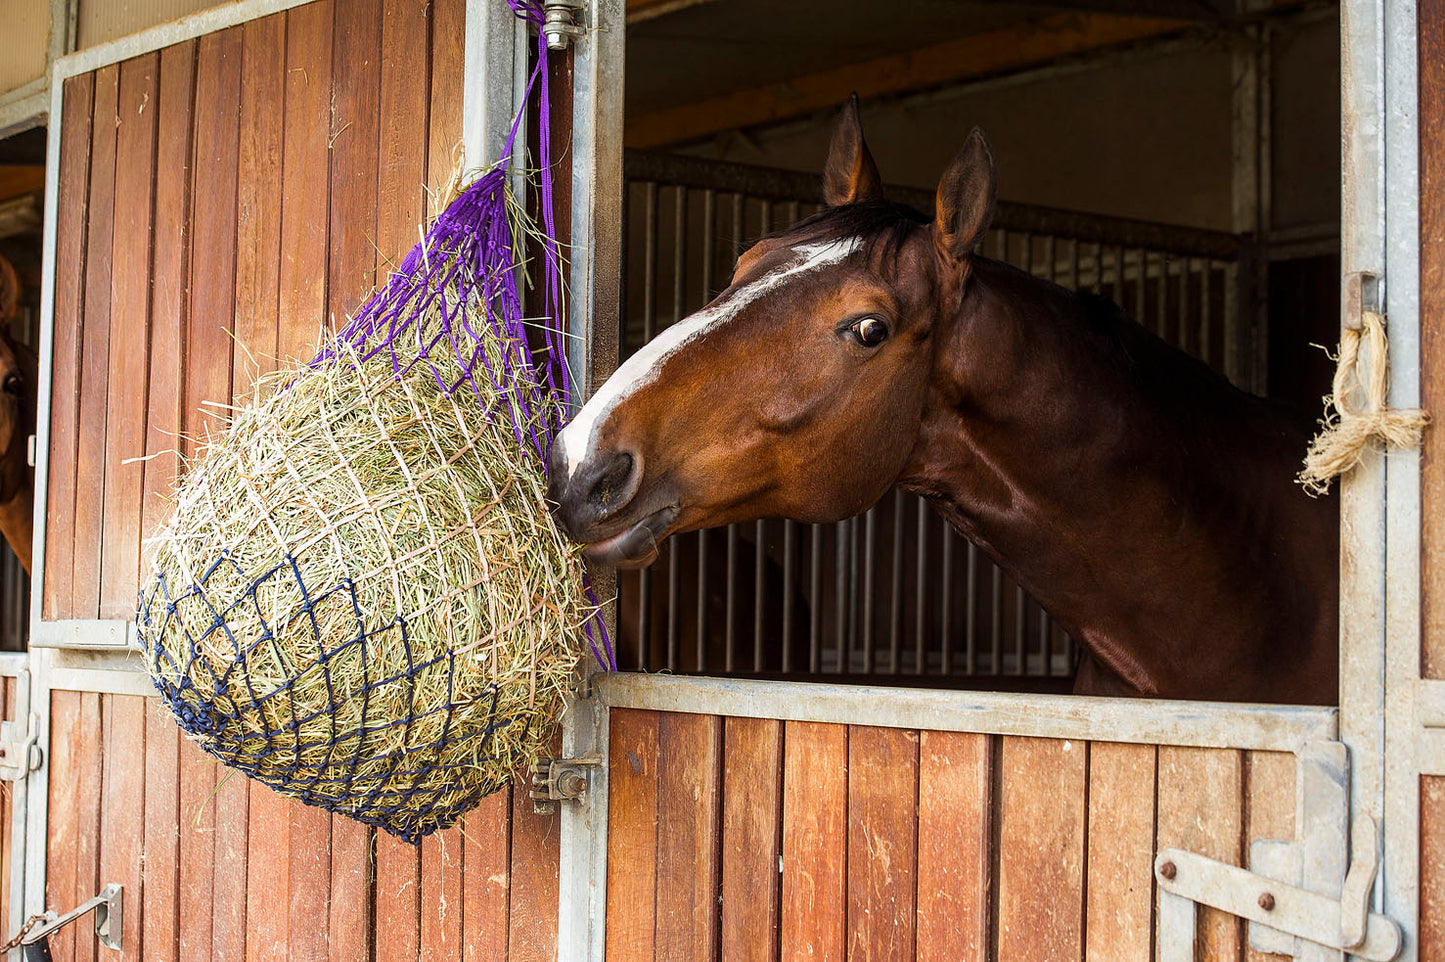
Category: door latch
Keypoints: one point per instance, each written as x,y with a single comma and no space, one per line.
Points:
107,909
560,779
20,752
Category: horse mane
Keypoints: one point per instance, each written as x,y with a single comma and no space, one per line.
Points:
882,225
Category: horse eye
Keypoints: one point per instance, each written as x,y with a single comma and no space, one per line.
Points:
13,384
869,331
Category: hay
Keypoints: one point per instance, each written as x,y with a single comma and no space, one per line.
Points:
361,599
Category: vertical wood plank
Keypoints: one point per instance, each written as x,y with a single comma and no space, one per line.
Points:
1121,853
632,835
123,810
444,141
198,852
258,213
688,816
752,838
1431,114
1269,779
125,429
882,843
355,106
63,830
1201,809
305,180
162,839
1432,868
485,850
1041,849
441,895
95,349
955,817
268,874
72,211
91,756
232,849
305,215
815,806
169,300
532,923
398,899
403,129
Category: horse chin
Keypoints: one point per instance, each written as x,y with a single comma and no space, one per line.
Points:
635,546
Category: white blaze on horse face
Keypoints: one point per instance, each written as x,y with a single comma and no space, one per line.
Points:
578,437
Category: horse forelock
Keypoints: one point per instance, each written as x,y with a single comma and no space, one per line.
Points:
642,368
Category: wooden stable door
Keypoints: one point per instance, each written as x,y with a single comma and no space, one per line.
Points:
224,194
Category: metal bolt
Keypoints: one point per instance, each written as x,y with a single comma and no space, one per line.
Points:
572,784
1168,871
1266,902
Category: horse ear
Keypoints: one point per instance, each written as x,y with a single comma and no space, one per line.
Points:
850,175
965,198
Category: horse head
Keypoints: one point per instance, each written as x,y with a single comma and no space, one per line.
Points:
798,391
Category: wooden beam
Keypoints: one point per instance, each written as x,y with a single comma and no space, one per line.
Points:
995,52
641,10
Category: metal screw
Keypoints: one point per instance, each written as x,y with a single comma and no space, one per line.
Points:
1266,902
1168,870
572,784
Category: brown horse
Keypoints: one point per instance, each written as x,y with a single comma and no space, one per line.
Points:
1147,503
18,387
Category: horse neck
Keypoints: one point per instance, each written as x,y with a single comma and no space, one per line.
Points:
16,518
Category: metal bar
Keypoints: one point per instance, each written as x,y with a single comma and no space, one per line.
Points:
1183,337
760,587
649,261
1161,304
1206,330
895,595
730,626
920,596
815,591
1021,616
870,539
773,184
841,538
995,634
702,586
946,600
970,612
790,590
1141,286
1150,722
644,617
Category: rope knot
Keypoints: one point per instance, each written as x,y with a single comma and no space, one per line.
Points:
1351,427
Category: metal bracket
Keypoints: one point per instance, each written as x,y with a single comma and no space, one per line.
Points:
560,779
107,908
20,753
1362,293
1301,898
559,23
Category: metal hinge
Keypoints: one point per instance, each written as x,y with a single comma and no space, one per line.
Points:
1302,898
560,779
560,22
107,909
20,751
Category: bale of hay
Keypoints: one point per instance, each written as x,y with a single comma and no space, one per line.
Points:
360,598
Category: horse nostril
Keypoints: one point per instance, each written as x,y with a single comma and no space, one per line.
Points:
615,486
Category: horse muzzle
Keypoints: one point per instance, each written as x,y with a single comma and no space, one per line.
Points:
597,504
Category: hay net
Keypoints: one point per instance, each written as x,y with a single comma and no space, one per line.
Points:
360,599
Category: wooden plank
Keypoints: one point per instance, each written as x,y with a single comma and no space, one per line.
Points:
95,350
72,212
398,899
882,843
1120,905
1201,809
213,232
1269,779
232,849
752,831
689,817
632,835
955,772
1431,114
170,268
122,826
1014,47
62,837
162,835
268,875
305,180
1041,848
441,895
536,857
198,852
444,140
1432,868
486,883
356,62
815,806
125,429
258,215
91,772
401,174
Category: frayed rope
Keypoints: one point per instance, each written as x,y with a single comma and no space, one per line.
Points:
1348,431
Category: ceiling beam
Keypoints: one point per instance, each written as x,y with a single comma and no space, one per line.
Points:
641,10
995,52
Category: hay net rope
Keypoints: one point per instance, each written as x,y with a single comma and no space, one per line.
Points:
360,598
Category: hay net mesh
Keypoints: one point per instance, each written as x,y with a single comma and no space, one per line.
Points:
360,599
